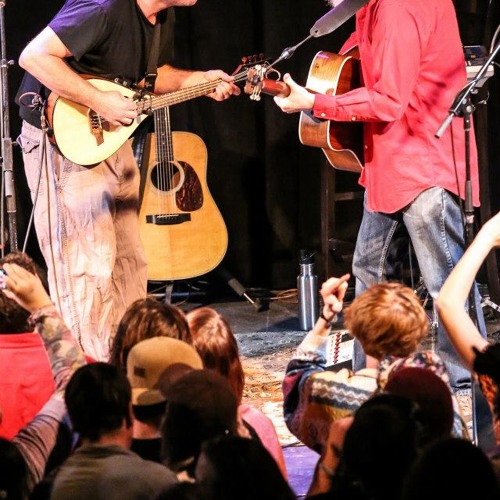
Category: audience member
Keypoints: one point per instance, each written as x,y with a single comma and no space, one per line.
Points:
200,405
26,380
23,460
480,356
146,362
231,467
433,410
218,348
98,398
433,475
183,490
390,323
143,319
377,451
431,396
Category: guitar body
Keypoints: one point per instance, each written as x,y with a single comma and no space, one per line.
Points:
342,142
183,232
77,133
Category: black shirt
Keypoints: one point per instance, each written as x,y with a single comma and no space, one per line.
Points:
107,38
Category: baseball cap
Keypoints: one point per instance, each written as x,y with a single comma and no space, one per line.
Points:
148,359
200,405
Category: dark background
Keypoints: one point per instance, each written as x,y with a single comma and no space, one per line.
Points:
267,185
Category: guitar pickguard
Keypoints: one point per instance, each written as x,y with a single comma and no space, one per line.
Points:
190,195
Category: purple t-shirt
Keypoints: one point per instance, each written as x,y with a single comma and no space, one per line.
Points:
107,38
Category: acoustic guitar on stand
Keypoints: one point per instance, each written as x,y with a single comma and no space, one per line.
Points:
330,74
182,230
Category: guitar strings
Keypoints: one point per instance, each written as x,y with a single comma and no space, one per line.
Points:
182,95
164,160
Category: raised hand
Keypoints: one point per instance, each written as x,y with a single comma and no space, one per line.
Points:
333,291
24,287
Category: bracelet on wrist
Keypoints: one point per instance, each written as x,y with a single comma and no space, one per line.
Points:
330,322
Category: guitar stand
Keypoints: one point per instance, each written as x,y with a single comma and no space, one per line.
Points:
239,288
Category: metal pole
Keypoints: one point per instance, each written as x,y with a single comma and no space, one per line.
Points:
6,142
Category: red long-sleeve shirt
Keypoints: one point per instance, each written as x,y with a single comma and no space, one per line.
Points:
413,66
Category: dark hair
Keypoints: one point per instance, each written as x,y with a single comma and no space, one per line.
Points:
98,399
434,473
232,467
200,405
13,471
379,447
183,490
13,317
143,319
431,394
150,414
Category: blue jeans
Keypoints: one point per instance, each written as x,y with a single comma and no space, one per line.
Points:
435,225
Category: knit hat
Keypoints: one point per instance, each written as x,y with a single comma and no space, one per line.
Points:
430,393
200,405
148,359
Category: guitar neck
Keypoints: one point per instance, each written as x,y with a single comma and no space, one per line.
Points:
182,95
274,88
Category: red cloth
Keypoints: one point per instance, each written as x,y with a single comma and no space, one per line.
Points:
26,381
412,64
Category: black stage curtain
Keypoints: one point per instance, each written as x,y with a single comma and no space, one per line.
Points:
265,183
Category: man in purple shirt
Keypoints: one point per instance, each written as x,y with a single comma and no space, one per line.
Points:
86,216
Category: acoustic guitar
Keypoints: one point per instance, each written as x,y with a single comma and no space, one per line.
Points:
183,232
331,74
85,138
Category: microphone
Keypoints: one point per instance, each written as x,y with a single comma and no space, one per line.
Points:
336,17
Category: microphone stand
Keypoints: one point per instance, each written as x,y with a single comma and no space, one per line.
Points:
462,106
6,146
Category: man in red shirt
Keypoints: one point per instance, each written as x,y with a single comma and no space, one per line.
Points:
412,66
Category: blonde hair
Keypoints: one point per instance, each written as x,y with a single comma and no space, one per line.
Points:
387,319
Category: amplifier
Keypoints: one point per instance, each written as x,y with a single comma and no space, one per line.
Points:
475,58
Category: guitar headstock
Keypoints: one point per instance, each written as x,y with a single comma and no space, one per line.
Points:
264,79
248,61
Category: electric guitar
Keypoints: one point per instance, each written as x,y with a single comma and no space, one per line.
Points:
182,230
85,138
334,74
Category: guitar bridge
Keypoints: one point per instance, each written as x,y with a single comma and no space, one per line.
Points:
96,127
167,219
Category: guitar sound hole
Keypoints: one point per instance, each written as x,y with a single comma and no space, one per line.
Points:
165,176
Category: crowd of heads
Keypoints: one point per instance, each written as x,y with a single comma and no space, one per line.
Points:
181,375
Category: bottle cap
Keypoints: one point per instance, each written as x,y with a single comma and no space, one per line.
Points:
306,257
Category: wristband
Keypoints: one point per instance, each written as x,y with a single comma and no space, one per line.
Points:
330,321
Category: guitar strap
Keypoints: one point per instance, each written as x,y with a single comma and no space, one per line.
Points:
139,141
154,52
